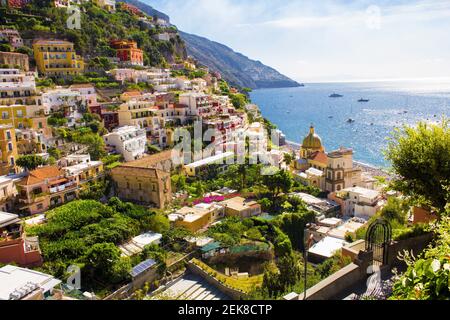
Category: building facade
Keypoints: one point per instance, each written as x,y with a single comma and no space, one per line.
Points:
128,52
143,185
57,58
8,150
15,60
15,246
128,141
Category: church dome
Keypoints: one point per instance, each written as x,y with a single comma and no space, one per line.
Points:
312,140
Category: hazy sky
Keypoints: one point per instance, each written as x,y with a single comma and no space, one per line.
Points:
326,40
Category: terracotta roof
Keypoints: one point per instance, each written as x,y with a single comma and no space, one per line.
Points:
52,42
319,156
150,161
137,172
39,175
132,93
81,85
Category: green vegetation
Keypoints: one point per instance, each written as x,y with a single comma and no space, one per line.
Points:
91,136
396,212
421,161
87,232
420,157
427,277
245,285
30,162
98,28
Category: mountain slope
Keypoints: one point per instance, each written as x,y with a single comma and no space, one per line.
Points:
234,67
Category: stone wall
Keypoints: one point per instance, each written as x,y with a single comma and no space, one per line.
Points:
415,245
332,287
232,293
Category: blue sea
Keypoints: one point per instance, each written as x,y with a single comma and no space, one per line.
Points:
391,105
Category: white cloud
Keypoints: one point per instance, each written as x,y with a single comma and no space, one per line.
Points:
326,39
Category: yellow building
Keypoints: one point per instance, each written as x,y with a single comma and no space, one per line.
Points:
8,149
192,219
136,182
198,217
15,115
57,58
140,114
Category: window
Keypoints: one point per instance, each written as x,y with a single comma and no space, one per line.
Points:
10,146
13,163
8,135
40,206
5,115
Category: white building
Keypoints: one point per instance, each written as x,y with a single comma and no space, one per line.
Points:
25,284
358,202
198,104
183,84
128,141
221,159
68,101
199,84
325,249
16,87
123,74
87,93
138,244
164,36
313,177
78,165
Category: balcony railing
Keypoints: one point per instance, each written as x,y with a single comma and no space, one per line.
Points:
9,236
62,187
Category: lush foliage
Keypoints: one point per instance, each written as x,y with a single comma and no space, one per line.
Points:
428,277
420,157
30,162
244,285
87,232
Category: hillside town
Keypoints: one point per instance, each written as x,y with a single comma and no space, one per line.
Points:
97,174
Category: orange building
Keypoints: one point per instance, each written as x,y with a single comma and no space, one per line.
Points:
128,52
44,188
15,246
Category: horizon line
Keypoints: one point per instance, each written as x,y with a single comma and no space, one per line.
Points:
428,79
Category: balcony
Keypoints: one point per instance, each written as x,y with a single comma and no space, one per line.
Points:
62,188
7,237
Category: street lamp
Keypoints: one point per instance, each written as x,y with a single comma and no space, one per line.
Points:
306,246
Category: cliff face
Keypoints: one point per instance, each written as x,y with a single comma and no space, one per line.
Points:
234,67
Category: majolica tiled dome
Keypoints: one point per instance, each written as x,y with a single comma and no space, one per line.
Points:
312,140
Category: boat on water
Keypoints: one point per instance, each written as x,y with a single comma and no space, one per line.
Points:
335,95
350,120
363,100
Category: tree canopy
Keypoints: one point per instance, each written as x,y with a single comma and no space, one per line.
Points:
420,158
